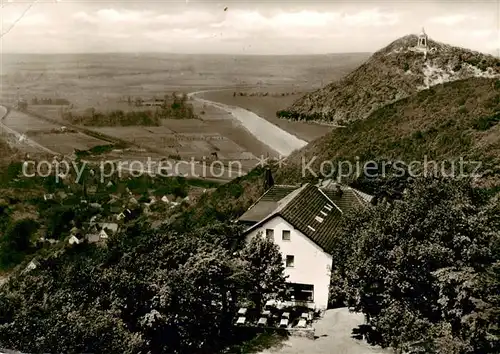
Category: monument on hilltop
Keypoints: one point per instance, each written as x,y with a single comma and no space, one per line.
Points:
423,44
422,40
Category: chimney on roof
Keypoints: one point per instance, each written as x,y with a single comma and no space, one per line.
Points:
338,190
268,179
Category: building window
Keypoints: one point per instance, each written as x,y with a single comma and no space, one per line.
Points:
285,236
270,234
301,292
290,261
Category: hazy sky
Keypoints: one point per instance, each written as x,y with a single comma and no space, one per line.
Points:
247,27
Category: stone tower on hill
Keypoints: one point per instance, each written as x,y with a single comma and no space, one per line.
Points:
422,44
422,40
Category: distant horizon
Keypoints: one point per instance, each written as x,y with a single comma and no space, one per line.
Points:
138,53
237,28
179,53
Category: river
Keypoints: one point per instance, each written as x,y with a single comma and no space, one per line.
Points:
273,136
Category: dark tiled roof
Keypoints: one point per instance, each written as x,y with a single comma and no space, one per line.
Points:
347,198
313,214
267,203
316,212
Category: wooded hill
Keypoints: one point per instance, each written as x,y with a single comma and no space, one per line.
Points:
392,73
447,122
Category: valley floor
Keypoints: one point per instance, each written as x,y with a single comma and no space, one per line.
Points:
333,336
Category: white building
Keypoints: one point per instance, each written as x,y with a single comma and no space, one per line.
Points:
103,234
303,222
73,240
111,226
33,264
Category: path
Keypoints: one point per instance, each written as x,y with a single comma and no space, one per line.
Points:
333,333
271,135
21,138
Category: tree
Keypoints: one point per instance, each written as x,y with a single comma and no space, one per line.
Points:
265,266
417,267
16,242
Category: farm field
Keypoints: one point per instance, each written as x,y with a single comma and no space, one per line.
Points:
24,123
193,141
95,79
66,143
42,133
105,83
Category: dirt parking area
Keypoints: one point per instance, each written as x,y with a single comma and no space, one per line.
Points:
333,336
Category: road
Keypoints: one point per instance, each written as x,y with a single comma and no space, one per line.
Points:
21,138
271,135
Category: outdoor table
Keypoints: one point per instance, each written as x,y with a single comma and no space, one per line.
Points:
242,311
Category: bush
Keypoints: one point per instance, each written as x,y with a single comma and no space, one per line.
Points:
485,123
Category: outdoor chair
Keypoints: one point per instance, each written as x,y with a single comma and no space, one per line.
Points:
302,323
284,323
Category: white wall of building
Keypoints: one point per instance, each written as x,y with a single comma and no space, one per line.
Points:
311,264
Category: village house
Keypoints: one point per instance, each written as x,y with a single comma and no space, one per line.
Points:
48,240
304,222
93,238
96,206
33,264
110,226
103,234
93,220
73,240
